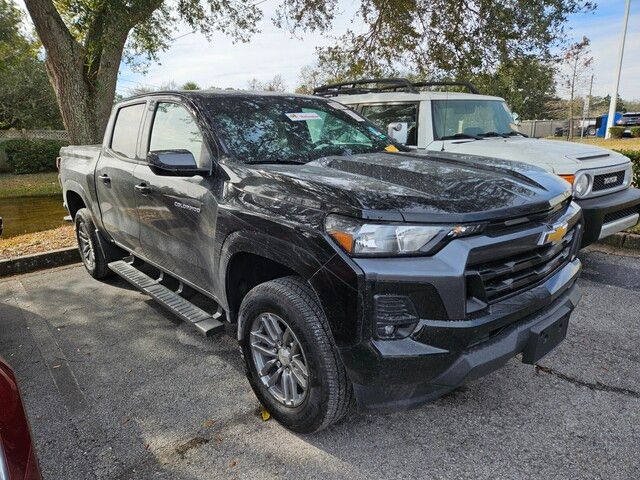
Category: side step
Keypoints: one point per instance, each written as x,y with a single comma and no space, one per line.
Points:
206,323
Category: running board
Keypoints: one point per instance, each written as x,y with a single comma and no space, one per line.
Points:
204,322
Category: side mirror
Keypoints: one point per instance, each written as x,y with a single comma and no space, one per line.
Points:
174,162
399,131
516,118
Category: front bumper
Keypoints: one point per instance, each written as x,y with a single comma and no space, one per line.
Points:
388,375
601,214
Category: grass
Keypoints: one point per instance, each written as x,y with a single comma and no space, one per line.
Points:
29,243
28,185
613,143
635,229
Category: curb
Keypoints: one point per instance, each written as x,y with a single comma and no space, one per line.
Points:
37,261
630,241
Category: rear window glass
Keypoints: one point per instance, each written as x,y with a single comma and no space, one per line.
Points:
125,130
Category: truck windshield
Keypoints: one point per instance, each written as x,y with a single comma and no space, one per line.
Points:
272,129
471,119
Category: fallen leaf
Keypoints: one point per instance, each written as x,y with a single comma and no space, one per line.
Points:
264,414
233,463
208,423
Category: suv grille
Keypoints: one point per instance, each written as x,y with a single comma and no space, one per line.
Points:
605,181
625,212
512,274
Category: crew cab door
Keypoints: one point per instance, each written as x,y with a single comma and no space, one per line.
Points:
177,211
114,176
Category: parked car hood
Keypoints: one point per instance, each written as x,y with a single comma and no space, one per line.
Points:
554,155
412,187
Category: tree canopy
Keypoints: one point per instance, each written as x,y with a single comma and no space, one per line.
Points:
85,40
26,97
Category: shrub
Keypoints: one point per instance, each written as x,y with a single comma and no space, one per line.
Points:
635,132
634,155
32,156
616,132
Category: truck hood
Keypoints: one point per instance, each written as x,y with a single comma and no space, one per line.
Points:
553,155
411,187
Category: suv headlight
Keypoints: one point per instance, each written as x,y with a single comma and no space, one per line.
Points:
363,238
580,183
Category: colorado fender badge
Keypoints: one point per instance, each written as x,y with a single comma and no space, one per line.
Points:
554,234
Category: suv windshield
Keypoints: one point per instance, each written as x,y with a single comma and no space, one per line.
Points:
471,118
273,129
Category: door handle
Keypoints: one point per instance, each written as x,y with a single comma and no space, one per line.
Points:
143,188
105,178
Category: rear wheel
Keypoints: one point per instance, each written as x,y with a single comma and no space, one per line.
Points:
88,246
292,362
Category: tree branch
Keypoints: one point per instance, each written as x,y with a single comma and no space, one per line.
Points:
60,45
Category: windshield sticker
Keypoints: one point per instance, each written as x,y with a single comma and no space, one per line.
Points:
337,106
354,115
302,116
376,132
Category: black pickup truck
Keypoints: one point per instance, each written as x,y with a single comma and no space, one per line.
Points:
347,268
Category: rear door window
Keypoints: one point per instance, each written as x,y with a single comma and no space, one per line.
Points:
383,115
125,131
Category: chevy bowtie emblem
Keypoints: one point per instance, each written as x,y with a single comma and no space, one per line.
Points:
554,234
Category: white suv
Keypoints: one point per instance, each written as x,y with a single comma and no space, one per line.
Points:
484,126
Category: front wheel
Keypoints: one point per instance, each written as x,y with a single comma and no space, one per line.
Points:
88,246
292,362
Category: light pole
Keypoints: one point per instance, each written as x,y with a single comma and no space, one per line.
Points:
616,82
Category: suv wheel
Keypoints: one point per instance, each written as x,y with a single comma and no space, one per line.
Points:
292,362
90,251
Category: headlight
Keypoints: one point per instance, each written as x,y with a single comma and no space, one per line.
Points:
581,185
362,238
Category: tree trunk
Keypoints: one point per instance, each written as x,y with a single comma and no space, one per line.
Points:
84,82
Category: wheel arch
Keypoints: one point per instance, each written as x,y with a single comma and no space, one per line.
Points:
251,258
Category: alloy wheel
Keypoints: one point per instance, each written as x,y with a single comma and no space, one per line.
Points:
279,359
85,244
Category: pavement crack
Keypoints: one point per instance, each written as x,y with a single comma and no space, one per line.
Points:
599,386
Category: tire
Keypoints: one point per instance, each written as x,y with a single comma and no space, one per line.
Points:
328,393
88,245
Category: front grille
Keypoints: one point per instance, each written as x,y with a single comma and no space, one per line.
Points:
503,227
625,212
512,274
605,181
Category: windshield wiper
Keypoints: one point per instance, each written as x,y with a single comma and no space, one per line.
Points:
276,162
493,134
515,132
460,135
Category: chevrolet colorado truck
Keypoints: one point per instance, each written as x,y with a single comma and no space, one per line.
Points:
482,125
345,267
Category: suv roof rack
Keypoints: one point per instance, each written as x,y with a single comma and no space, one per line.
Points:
376,85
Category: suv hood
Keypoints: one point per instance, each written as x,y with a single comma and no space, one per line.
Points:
412,187
553,155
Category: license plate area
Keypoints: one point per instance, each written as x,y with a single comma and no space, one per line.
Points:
544,337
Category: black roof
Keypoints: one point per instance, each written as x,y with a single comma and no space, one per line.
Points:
195,94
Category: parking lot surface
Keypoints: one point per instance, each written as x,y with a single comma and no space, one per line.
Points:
116,388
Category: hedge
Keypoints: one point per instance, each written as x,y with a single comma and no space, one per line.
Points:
634,155
616,132
32,156
635,132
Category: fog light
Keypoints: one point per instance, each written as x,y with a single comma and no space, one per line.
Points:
395,316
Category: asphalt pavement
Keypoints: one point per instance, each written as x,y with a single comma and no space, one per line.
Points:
116,388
